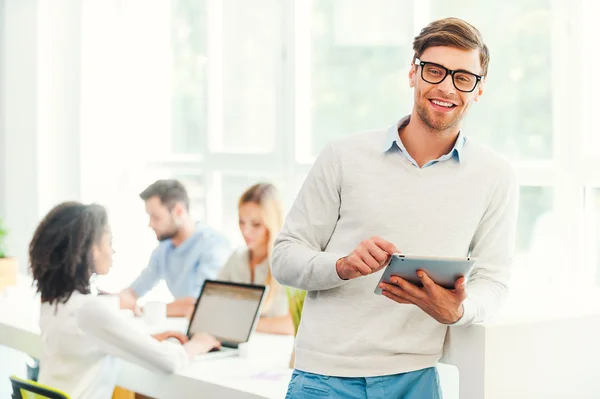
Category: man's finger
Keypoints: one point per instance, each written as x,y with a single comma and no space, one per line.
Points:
364,269
357,264
460,286
407,287
396,298
427,282
378,254
385,245
399,292
367,259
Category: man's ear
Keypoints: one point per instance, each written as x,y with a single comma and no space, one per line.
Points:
179,210
412,73
176,214
479,90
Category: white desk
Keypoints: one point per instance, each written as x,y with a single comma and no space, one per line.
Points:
541,356
544,350
264,374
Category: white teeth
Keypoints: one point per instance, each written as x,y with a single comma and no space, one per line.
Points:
442,103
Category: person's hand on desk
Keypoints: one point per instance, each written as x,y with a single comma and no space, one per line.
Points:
181,307
440,303
201,343
171,334
368,257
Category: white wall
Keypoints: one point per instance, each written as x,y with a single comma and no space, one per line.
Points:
58,101
19,122
2,113
39,124
39,132
18,163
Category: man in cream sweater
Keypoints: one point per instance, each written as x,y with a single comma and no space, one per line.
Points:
420,188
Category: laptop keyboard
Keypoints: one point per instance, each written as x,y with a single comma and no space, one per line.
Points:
218,352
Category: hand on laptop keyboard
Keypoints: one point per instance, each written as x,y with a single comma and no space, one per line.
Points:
204,342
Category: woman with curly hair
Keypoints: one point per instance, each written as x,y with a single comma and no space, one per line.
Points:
81,333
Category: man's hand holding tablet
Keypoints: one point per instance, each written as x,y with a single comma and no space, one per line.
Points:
442,299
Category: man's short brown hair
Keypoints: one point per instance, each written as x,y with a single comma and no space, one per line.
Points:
452,32
169,191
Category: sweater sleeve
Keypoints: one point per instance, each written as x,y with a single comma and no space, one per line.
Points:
299,257
493,246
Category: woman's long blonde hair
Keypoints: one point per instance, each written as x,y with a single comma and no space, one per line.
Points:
265,195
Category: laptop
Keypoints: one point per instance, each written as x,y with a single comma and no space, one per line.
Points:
229,312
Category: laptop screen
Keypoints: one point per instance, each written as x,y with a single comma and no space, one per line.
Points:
227,311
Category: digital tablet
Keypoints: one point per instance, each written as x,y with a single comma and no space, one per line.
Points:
442,270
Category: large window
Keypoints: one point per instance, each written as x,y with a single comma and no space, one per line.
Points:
520,91
224,93
352,62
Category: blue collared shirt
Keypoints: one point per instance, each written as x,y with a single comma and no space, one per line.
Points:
393,143
185,267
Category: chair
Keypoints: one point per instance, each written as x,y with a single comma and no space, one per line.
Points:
122,393
26,389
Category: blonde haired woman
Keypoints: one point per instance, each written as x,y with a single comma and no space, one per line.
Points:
260,219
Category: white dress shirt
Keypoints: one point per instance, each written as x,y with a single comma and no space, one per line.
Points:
82,337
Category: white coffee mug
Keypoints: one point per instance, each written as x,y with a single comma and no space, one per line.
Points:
155,312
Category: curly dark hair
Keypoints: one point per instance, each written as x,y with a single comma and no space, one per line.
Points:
60,252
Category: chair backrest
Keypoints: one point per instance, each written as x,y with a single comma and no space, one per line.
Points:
26,389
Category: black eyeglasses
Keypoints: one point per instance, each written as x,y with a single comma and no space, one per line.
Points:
464,81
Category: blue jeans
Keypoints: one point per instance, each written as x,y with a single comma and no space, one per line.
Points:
420,384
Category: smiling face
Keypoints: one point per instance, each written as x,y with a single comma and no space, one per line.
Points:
441,106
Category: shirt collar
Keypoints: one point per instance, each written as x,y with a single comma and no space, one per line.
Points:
392,141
